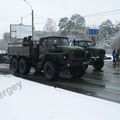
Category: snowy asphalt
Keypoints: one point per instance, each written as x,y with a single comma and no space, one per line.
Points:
103,84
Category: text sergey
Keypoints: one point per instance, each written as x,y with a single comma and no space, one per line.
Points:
10,90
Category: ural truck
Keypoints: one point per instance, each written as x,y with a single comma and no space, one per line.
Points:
50,55
95,56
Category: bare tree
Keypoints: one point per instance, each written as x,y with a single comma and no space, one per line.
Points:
50,26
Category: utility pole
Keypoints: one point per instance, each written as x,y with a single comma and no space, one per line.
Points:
21,20
32,18
32,24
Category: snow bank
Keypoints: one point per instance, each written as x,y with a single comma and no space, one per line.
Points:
108,57
40,102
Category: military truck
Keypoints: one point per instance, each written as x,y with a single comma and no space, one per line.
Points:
50,55
94,55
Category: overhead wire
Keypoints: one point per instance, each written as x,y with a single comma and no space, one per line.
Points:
111,12
101,13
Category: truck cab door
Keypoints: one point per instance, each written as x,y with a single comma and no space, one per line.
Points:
43,49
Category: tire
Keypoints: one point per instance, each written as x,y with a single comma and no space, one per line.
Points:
98,64
85,67
77,72
51,71
14,65
24,67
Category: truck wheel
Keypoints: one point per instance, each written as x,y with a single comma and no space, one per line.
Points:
77,72
85,67
98,64
24,67
14,65
51,71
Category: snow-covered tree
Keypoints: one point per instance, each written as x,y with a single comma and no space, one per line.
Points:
63,23
117,27
115,41
75,26
106,30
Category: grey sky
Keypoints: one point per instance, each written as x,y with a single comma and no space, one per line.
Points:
11,11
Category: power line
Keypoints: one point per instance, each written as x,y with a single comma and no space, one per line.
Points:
101,13
89,15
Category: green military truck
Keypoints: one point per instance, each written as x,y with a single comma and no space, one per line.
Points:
50,55
94,55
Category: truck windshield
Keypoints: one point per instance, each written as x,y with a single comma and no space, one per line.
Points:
84,43
59,41
64,41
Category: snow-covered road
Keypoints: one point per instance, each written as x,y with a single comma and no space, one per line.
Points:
35,101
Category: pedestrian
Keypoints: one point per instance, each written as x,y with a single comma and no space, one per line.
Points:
29,40
74,42
24,41
114,57
117,56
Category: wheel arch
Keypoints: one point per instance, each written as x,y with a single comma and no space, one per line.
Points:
48,57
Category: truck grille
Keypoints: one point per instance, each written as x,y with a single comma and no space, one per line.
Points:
96,53
79,55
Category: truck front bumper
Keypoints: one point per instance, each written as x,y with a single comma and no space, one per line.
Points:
69,64
93,59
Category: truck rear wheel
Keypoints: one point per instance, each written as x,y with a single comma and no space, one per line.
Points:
14,65
77,72
98,64
24,67
51,71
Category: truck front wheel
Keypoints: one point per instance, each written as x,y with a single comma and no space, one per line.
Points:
85,67
77,72
51,71
98,64
24,67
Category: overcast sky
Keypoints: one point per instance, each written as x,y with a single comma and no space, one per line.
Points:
11,11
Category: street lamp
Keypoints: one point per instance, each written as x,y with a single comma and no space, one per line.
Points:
32,18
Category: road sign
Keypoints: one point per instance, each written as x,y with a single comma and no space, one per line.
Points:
93,31
19,31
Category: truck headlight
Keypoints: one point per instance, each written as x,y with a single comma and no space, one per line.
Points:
68,65
64,57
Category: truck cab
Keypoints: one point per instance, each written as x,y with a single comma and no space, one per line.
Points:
94,55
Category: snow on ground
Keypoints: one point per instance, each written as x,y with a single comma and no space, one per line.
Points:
104,45
34,101
108,57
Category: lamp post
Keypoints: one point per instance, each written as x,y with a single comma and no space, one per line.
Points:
32,18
